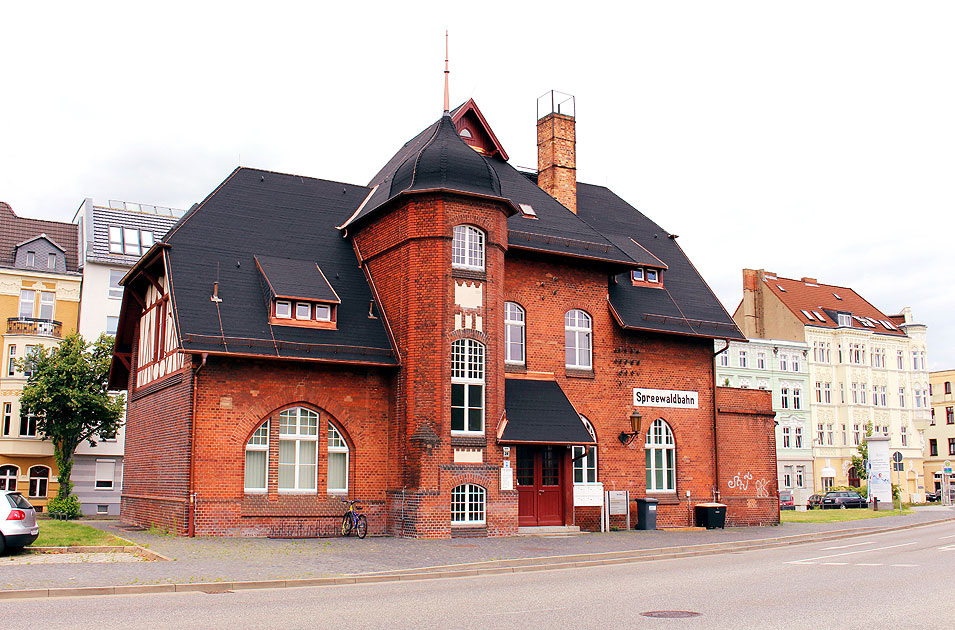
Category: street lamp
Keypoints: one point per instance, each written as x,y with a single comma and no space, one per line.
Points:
627,437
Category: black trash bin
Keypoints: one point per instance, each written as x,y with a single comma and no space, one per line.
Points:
710,515
646,513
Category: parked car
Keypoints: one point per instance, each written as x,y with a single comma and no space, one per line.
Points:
18,526
932,497
786,501
814,502
843,499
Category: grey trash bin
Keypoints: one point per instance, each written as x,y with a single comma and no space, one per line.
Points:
646,513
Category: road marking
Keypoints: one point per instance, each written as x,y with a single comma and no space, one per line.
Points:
947,548
847,546
529,610
944,537
835,564
868,564
847,553
904,565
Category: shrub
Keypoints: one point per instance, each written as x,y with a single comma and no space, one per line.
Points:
69,507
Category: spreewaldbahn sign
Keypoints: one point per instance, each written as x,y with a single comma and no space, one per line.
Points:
665,398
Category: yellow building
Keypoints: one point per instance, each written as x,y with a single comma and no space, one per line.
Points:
39,305
866,369
940,434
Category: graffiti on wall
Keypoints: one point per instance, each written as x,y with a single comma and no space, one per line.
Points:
740,482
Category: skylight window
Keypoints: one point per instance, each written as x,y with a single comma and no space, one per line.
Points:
836,295
527,210
780,287
808,315
819,316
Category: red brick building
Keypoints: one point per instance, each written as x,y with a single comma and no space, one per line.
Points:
463,346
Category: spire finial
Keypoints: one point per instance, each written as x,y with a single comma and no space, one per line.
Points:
447,100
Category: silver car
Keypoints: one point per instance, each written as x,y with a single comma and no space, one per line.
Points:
18,526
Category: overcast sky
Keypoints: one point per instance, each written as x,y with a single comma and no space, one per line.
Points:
809,139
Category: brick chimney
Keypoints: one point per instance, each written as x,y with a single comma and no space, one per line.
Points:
749,316
556,148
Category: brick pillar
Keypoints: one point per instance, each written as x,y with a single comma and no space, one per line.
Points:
556,158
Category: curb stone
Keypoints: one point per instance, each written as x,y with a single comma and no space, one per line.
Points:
491,567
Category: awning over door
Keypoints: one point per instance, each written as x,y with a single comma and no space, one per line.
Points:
538,412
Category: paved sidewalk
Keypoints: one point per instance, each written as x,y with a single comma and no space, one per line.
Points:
228,560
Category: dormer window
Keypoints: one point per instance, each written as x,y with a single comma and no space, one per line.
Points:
645,276
31,259
298,293
845,320
465,133
323,313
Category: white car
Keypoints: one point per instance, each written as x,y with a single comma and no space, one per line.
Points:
18,526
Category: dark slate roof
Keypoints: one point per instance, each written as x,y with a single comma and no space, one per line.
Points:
14,230
261,213
301,279
686,305
556,229
539,411
445,161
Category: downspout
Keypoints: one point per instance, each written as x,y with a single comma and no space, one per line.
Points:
716,449
193,504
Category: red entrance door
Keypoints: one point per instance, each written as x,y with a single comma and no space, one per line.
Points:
540,496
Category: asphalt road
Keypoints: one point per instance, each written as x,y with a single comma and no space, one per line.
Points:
899,579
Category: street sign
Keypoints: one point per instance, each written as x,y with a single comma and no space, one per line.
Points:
897,457
948,467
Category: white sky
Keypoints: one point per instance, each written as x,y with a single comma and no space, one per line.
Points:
810,139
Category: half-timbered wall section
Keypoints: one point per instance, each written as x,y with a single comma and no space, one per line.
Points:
158,346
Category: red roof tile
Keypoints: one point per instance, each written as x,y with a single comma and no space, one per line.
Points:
808,296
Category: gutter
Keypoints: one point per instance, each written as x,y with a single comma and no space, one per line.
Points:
192,504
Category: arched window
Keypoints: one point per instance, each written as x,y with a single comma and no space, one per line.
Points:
467,386
661,458
577,339
39,477
468,505
467,248
8,478
337,460
513,333
298,449
257,459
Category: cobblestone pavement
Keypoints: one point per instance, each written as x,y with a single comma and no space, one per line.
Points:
233,559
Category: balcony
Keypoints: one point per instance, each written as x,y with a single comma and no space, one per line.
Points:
33,326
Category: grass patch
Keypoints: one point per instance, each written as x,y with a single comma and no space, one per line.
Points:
836,516
70,534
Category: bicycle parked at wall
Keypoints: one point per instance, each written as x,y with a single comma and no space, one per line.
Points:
352,520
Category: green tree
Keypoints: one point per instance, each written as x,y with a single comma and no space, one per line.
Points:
858,461
66,392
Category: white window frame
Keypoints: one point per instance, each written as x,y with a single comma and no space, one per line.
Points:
47,309
107,480
299,307
323,313
800,476
637,274
298,418
27,297
660,470
8,481
467,248
34,489
515,320
653,275
131,245
112,324
798,437
258,443
51,260
761,360
584,467
336,446
468,358
31,259
283,309
578,333
742,358
788,477
115,289
115,240
786,438
468,505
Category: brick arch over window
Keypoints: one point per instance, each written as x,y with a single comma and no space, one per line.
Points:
468,333
291,396
474,219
